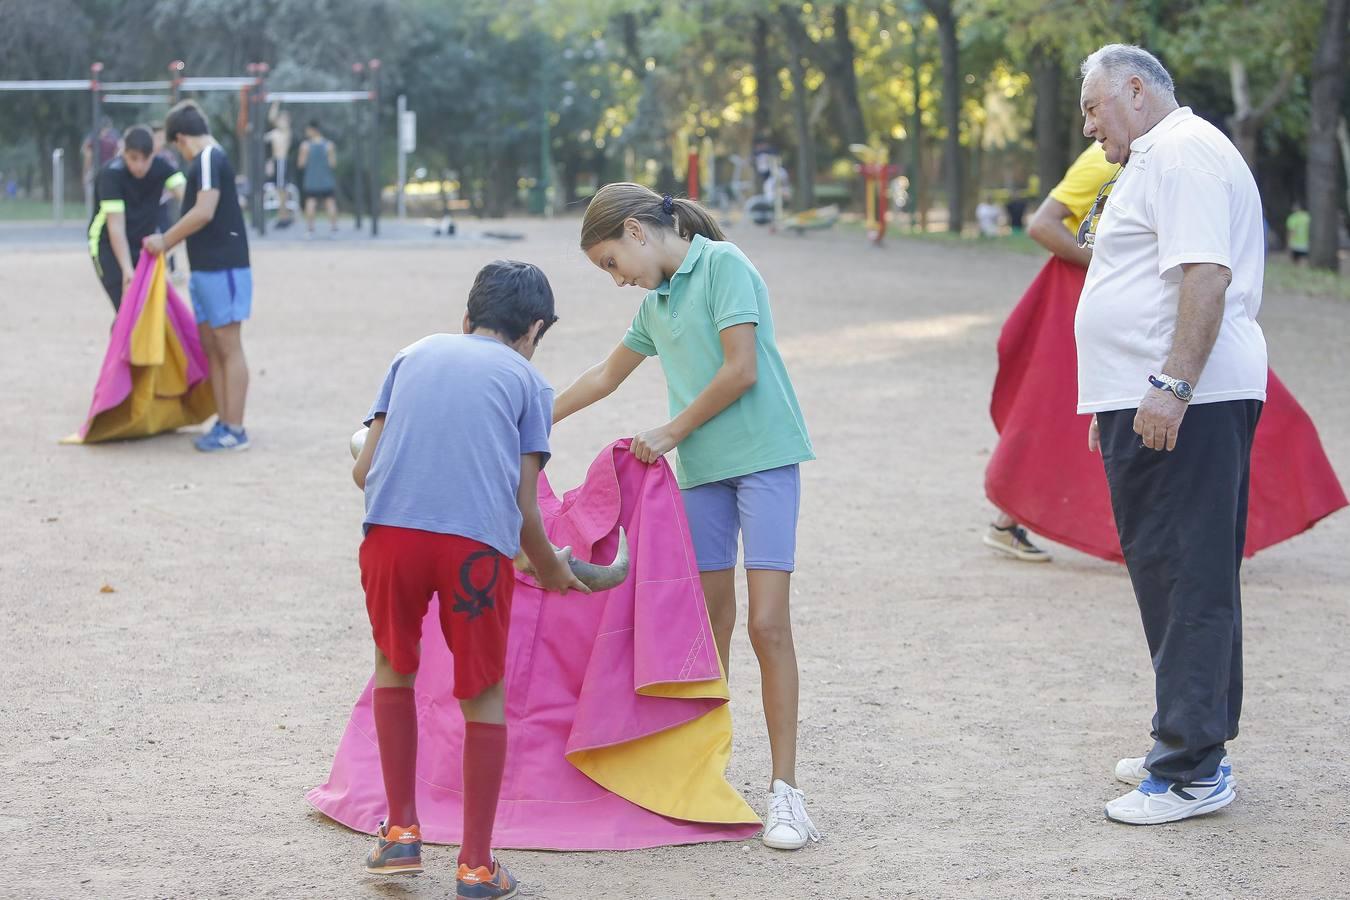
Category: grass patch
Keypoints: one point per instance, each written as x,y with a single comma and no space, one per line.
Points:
24,210
1285,277
1282,276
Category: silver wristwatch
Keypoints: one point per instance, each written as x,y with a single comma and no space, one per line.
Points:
1182,389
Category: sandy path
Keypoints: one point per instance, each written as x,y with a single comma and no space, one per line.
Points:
961,714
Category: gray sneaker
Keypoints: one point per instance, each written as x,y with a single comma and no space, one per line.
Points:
1013,541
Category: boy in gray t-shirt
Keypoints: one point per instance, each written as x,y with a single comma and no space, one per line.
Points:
458,435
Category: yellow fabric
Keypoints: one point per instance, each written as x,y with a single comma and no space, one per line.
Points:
1078,188
160,399
174,181
113,206
680,772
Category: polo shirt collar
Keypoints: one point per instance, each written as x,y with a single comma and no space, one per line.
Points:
696,245
1145,141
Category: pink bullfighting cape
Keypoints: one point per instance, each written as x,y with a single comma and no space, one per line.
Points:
154,373
1042,474
616,706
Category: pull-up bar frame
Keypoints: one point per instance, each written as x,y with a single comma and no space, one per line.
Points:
256,97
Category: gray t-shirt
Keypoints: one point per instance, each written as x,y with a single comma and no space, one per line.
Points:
460,411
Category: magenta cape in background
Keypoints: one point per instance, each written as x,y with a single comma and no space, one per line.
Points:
619,733
154,373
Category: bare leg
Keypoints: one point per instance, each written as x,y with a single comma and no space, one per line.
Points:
719,592
235,369
311,205
771,635
331,203
489,706
1004,521
217,375
386,676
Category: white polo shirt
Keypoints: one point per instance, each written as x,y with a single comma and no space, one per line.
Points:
1185,196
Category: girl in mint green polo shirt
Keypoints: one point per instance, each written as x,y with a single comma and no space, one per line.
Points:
735,419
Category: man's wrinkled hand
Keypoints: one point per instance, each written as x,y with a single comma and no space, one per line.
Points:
1158,419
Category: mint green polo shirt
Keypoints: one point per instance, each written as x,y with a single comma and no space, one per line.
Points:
716,287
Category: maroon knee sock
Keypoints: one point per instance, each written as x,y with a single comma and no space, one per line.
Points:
396,730
484,760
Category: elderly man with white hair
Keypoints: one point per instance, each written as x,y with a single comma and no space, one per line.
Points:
1172,365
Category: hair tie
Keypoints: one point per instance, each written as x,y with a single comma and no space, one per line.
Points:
668,204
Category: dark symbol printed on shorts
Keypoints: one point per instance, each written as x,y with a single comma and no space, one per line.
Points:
476,599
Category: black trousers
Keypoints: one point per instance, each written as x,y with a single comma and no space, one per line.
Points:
1182,519
110,274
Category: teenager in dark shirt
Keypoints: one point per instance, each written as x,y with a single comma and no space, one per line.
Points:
221,284
126,208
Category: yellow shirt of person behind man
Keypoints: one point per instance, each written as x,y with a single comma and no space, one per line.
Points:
1078,188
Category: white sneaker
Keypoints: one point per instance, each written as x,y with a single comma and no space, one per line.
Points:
787,826
1132,771
1156,801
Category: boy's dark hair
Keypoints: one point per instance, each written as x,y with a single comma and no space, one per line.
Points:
508,297
314,123
138,139
187,119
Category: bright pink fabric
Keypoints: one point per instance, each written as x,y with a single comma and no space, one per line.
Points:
574,668
114,379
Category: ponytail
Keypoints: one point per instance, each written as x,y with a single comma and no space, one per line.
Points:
616,203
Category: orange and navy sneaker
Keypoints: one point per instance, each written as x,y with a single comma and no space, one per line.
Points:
398,852
481,884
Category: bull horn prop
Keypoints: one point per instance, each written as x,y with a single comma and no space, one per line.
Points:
597,578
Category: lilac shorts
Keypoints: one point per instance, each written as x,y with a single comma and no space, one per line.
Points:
760,507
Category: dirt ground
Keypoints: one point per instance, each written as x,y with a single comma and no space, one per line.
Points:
961,713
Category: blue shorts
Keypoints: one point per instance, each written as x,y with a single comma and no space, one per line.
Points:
221,298
760,507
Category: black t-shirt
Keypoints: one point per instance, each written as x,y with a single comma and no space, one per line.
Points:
223,243
137,199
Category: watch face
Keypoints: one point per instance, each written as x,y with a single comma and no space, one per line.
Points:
1183,390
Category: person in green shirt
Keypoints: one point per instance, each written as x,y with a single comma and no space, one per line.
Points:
1296,227
736,422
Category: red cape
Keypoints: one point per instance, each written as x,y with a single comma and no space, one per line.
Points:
1042,474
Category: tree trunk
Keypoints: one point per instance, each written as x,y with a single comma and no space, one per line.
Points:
766,79
806,150
1328,83
1343,136
1047,81
1244,126
843,79
951,110
917,183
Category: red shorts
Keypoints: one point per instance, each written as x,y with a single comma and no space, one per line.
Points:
402,567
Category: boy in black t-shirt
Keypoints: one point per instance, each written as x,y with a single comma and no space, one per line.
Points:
221,284
127,192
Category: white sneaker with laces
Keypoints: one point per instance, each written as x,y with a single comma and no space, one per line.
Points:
1156,801
787,826
1131,770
